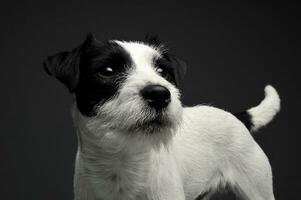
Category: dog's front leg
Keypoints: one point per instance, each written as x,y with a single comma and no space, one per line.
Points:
164,178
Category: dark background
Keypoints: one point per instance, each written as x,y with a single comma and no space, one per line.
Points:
232,50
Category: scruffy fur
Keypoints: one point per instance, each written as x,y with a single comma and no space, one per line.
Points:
193,151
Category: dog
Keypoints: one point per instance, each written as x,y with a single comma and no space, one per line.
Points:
137,142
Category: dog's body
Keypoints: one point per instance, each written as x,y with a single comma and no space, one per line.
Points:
136,141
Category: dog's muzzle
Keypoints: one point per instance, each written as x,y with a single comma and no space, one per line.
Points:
157,96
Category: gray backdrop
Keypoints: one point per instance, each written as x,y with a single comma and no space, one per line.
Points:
232,50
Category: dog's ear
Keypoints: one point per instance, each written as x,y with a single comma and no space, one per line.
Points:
65,66
179,67
90,41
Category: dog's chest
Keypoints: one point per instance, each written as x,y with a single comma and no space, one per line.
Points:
114,174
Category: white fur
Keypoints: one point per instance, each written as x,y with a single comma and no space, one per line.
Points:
266,110
199,149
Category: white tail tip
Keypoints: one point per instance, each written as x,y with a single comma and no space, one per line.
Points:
266,110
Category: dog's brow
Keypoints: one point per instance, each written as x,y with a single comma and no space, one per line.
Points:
138,50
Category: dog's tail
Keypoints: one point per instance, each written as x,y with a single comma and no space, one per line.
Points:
260,115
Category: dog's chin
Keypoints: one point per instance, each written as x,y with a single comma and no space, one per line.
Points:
143,124
156,124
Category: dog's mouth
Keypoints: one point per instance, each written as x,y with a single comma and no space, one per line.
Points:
135,116
156,124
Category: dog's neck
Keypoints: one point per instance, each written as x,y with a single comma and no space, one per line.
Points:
109,164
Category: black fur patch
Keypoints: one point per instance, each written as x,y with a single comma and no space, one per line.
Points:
80,70
94,88
202,196
167,69
64,66
179,69
223,193
245,118
173,69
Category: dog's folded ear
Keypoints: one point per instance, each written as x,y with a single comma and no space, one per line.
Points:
65,67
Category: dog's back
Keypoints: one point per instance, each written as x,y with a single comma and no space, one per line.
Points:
217,146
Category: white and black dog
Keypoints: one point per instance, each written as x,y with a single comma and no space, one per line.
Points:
137,141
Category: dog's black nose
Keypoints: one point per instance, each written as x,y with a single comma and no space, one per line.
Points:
157,96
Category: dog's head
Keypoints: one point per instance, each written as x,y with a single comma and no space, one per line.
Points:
125,86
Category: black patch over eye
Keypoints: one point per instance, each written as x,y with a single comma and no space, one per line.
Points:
109,65
107,71
103,68
161,70
164,68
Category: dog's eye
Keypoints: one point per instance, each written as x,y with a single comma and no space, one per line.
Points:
161,71
107,71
